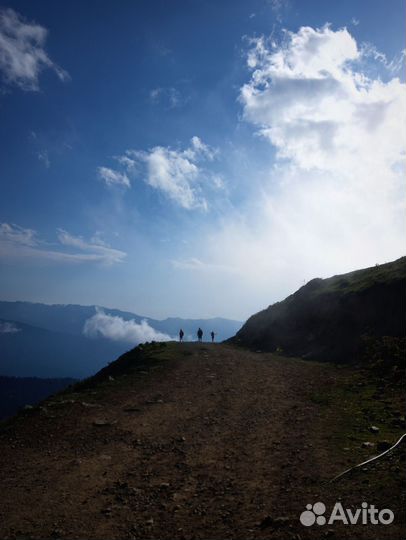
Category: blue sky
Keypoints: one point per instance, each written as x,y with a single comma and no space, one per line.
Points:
197,158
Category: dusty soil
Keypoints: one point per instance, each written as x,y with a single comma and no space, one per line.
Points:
205,442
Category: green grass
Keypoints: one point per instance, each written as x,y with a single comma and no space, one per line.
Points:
360,280
138,362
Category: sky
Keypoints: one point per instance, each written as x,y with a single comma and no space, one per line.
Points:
197,158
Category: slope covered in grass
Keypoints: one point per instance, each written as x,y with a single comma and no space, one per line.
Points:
329,319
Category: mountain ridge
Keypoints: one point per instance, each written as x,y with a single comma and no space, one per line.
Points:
327,319
51,341
8,311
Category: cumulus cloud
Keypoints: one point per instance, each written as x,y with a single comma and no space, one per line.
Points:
310,101
22,51
17,242
333,199
177,174
174,175
118,329
113,178
8,328
340,135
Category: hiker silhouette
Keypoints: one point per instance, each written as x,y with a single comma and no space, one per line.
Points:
212,336
181,334
200,334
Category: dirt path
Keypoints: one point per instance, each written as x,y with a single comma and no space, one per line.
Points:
206,444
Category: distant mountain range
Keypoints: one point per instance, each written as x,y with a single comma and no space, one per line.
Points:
338,319
40,340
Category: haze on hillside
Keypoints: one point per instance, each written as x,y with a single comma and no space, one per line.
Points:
197,159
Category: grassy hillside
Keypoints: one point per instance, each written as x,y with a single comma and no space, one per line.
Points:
335,318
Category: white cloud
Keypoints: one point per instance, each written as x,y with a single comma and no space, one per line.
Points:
174,175
95,247
307,98
334,199
17,235
113,178
22,51
17,242
199,150
8,328
118,329
177,174
394,66
126,162
180,175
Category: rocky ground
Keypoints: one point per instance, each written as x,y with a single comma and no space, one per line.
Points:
204,442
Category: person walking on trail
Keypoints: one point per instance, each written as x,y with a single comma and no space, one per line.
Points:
181,334
212,336
199,334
